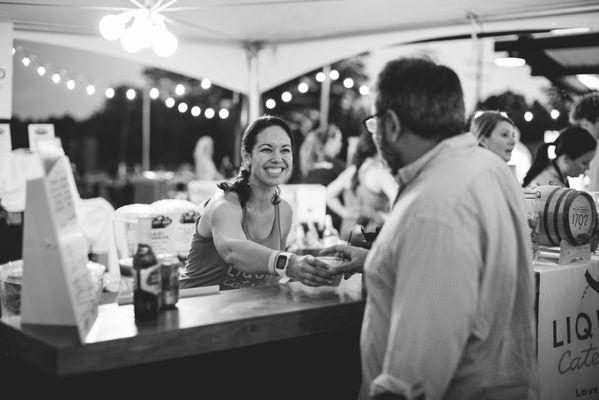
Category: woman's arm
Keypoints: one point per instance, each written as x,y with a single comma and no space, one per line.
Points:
246,255
335,189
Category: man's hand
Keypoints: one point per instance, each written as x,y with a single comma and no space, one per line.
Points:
355,256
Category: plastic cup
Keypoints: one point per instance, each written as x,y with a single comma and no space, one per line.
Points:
333,262
11,278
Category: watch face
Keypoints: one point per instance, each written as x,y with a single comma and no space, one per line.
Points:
281,260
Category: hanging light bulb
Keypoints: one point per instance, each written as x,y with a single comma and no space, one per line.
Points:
334,74
165,45
170,102
182,107
112,26
209,113
109,93
348,83
90,89
180,89
302,87
196,111
154,93
130,41
41,70
131,94
223,113
205,84
26,61
71,84
56,78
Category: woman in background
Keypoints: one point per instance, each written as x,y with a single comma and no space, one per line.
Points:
238,239
574,149
204,164
368,191
494,131
321,156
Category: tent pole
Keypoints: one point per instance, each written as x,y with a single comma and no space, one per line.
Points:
145,128
325,94
252,50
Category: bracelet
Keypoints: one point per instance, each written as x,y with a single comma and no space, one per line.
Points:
271,262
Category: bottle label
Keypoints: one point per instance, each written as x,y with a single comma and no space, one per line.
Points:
150,279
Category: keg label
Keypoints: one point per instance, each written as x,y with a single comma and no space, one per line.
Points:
580,216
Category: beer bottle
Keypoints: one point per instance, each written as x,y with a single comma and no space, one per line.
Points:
148,283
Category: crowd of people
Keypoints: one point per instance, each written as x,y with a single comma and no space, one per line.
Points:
450,289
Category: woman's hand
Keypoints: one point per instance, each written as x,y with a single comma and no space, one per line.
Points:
309,271
356,257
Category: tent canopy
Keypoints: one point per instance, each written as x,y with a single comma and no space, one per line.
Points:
286,38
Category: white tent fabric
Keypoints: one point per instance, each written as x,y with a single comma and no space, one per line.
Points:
292,36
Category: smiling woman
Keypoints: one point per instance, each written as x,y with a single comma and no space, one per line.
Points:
238,240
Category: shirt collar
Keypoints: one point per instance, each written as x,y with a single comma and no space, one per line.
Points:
407,174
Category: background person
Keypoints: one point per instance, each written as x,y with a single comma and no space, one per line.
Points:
321,156
494,131
363,193
585,113
205,169
237,239
575,147
450,306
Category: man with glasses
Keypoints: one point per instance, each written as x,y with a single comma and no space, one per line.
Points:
450,290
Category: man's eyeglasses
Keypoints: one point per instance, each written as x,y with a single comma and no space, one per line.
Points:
369,122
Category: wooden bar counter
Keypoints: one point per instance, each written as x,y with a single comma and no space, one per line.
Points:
247,342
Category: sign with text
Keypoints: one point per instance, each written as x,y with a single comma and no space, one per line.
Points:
167,232
568,330
5,141
38,133
57,286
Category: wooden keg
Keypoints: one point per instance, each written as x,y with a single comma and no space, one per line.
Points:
565,214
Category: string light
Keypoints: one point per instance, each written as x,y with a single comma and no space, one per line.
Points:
270,104
320,76
90,89
196,111
26,61
209,113
348,83
70,84
334,74
182,107
56,78
169,102
223,113
554,114
109,93
154,93
286,96
41,70
364,90
205,83
180,90
528,116
302,87
131,94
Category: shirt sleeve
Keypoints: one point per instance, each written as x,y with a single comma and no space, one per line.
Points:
432,312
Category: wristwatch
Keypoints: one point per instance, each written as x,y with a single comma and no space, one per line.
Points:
282,262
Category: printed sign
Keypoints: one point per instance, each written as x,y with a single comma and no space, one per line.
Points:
168,232
5,141
38,133
568,330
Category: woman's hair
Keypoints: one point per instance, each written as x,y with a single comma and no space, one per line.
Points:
240,183
312,149
483,122
365,149
572,141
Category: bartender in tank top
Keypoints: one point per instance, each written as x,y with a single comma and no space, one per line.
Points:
240,237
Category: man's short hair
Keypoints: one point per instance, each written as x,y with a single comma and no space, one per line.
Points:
427,97
587,107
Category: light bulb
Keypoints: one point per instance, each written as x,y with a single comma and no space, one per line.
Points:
320,77
154,93
196,111
56,78
71,84
143,29
111,27
130,41
528,116
364,90
26,61
130,94
41,70
334,74
348,83
90,89
205,83
270,104
165,44
179,89
223,113
109,93
182,107
555,114
302,87
209,113
170,102
286,97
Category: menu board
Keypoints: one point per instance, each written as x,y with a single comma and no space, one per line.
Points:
568,330
57,287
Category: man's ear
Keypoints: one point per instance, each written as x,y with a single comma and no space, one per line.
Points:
393,127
